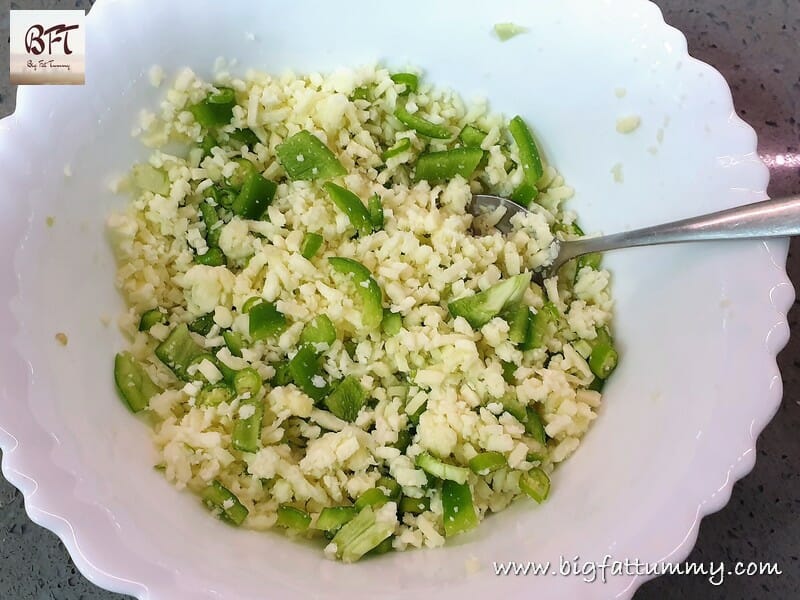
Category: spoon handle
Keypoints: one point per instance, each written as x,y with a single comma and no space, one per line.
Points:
770,218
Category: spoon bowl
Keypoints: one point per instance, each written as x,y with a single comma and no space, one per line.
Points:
767,219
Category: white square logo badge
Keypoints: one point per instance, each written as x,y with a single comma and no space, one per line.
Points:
47,47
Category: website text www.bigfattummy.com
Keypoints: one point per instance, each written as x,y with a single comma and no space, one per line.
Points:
591,571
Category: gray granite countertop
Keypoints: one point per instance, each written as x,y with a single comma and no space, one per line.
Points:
754,43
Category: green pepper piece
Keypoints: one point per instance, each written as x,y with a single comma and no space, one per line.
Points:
482,307
293,518
202,324
210,219
433,466
247,381
304,370
366,288
219,498
215,395
304,157
528,152
410,80
346,399
246,435
213,257
207,144
418,124
534,426
509,370
352,206
319,331
361,93
518,318
361,534
332,518
179,350
458,512
243,137
540,326
487,462
216,109
404,437
254,197
402,146
414,506
250,303
597,385
375,208
514,407
444,165
524,194
604,357
133,382
536,484
382,548
150,318
372,497
392,323
234,342
471,136
265,321
390,487
282,376
592,260
310,245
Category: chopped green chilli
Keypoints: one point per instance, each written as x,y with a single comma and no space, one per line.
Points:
603,359
213,257
179,350
133,382
414,506
202,324
410,80
487,462
420,125
150,318
366,288
536,484
352,206
293,518
372,497
247,428
375,207
323,338
216,109
332,518
442,470
403,145
234,341
484,306
219,499
310,245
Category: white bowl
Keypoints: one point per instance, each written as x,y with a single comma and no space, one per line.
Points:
698,326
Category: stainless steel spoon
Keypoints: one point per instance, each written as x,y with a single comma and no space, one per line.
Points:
770,218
